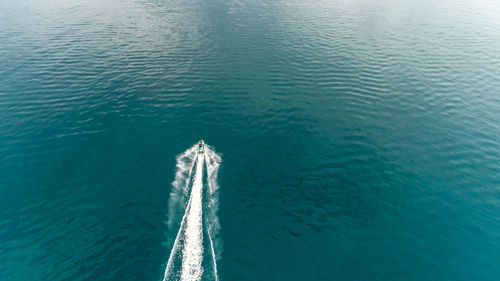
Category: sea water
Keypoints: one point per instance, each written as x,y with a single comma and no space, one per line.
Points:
360,140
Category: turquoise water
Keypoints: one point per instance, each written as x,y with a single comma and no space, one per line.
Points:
360,140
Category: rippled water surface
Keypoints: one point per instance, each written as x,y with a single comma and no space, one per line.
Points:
360,140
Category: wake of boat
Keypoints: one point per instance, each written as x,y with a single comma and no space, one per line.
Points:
186,257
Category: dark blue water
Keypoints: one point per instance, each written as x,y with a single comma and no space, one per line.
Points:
360,140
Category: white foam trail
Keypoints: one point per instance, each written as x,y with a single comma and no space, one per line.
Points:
193,247
189,237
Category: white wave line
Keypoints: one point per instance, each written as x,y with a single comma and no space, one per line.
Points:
212,162
181,169
185,163
213,256
176,243
186,186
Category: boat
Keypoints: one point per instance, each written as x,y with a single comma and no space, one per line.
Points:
201,147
